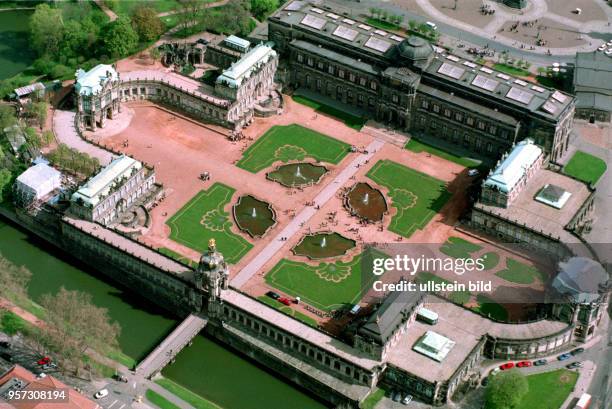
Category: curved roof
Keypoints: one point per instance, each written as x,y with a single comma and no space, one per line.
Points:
243,68
92,81
511,170
415,48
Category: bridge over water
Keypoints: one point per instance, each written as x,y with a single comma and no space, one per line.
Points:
167,350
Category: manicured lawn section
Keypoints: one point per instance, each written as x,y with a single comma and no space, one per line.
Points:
555,386
185,394
458,297
11,323
459,248
487,306
385,25
203,218
418,146
291,142
326,286
127,7
159,401
585,167
509,69
285,309
520,273
178,257
350,120
416,196
373,398
490,260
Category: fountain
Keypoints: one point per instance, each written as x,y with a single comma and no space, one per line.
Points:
297,174
366,202
253,216
323,245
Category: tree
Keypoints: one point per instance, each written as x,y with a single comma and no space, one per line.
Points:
121,39
14,279
33,138
38,110
46,29
261,8
74,325
7,116
146,23
506,390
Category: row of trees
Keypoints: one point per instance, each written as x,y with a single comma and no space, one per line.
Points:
232,18
73,324
382,14
73,161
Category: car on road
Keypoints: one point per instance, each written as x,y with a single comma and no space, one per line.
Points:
494,371
273,295
49,366
102,393
285,300
574,365
508,365
44,360
540,362
523,364
407,399
564,357
577,351
120,377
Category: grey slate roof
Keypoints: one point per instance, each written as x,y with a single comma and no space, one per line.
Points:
593,72
340,58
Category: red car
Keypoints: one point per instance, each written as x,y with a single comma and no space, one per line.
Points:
524,364
285,301
45,360
509,365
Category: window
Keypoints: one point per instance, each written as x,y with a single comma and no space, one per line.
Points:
360,98
341,73
489,147
458,117
330,69
310,61
362,82
433,125
425,104
493,130
352,77
373,85
395,98
436,108
320,65
447,113
371,102
470,121
318,84
481,125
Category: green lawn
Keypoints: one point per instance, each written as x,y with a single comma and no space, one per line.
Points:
373,398
285,309
555,386
178,257
127,7
193,399
385,25
350,120
418,146
459,248
487,307
291,142
326,286
458,297
585,167
203,218
490,260
159,401
511,70
520,273
122,358
416,196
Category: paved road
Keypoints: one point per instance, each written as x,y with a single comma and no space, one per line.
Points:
66,133
256,264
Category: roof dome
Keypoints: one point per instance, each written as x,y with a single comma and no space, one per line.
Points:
415,48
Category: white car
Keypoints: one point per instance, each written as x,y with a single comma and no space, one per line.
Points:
601,47
495,371
102,393
609,52
407,399
473,172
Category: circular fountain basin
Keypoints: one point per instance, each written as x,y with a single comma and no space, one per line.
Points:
297,174
253,216
323,245
366,202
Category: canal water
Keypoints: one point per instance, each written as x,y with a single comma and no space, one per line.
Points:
207,367
15,55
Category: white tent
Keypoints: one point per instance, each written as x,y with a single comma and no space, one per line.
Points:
37,182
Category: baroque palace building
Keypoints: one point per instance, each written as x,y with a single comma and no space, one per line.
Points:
415,86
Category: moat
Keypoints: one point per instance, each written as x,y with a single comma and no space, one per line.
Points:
207,367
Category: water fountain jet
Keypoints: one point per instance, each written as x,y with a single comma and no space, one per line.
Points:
324,242
253,213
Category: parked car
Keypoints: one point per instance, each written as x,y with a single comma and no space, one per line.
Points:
473,172
540,362
407,399
120,377
494,371
508,365
44,360
5,344
396,396
564,357
577,351
102,393
524,364
49,366
574,365
273,295
285,300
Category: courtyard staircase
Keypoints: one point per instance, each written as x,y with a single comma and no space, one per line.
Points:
167,350
383,133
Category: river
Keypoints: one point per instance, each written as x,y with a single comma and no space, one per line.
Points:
207,367
15,55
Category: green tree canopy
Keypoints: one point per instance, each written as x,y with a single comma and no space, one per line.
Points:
506,390
46,29
121,39
261,8
146,23
7,116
